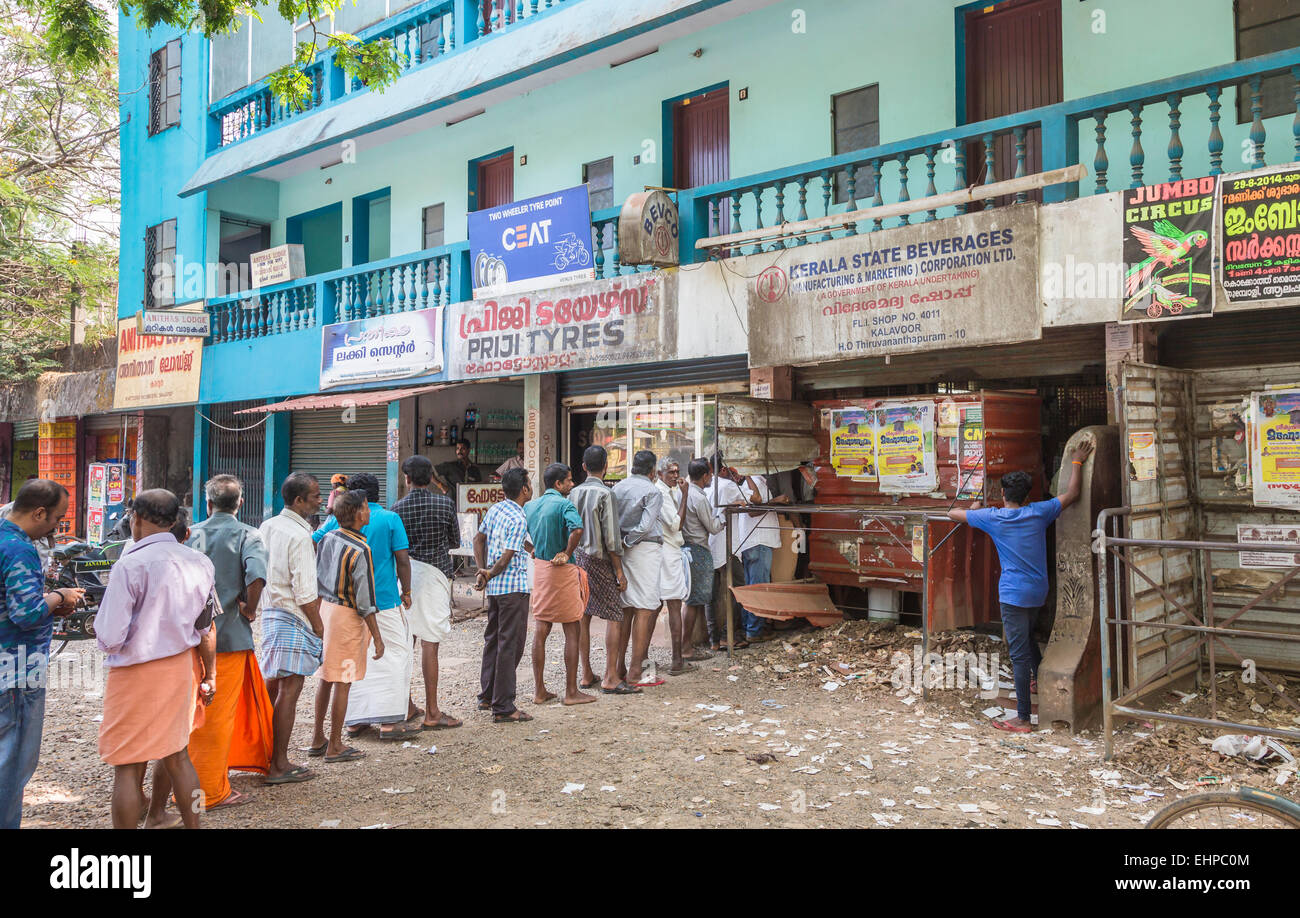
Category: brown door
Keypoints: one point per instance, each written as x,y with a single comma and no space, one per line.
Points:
496,182
702,146
1013,63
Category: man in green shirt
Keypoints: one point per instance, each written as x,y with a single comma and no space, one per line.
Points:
559,586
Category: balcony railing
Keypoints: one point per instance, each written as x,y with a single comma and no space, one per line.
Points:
415,36
434,277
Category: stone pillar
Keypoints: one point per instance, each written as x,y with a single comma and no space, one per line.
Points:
541,433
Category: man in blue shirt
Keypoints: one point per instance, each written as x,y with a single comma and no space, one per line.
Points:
383,696
1019,532
25,630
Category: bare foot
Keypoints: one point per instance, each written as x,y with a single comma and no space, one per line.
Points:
168,821
578,698
541,696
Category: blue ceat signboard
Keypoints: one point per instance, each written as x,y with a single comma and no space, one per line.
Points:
541,241
404,346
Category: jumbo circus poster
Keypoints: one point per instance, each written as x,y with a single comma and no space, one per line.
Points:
853,443
1168,258
1275,448
905,460
1259,215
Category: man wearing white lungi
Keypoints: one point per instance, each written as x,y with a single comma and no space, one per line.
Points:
638,504
383,697
432,531
674,579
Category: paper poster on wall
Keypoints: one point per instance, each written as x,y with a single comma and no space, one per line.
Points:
1167,231
1279,546
1259,216
853,442
1142,465
905,460
1275,448
970,454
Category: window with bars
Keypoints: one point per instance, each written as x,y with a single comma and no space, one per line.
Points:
855,124
1265,26
599,178
160,265
165,87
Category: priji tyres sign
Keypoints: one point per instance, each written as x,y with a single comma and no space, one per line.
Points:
541,241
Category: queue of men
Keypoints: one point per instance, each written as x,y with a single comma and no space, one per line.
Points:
190,690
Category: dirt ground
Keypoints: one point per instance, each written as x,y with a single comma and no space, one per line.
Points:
805,731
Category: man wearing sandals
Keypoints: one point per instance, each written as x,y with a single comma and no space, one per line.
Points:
501,551
1019,532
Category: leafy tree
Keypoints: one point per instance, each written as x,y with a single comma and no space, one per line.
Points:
58,192
81,33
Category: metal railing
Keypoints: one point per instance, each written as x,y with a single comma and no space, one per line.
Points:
1207,632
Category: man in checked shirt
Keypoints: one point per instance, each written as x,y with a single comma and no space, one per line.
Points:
432,531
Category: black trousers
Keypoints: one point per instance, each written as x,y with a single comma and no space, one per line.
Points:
503,648
715,613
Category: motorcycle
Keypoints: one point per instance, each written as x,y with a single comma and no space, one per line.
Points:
570,250
80,565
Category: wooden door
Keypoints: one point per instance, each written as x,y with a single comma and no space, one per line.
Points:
496,182
702,147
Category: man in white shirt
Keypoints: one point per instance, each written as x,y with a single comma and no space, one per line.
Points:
292,631
723,491
759,536
674,579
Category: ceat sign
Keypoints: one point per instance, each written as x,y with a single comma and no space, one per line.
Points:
526,234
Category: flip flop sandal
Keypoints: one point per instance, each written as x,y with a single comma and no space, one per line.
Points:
347,755
699,656
518,717
397,733
484,706
621,689
357,731
689,667
295,775
592,684
317,751
1009,727
235,799
443,723
651,684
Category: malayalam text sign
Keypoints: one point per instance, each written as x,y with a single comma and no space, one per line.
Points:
1260,221
155,369
406,345
604,323
278,265
961,282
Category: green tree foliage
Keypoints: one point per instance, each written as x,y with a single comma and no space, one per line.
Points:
58,192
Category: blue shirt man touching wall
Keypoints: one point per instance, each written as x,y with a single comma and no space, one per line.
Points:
1019,532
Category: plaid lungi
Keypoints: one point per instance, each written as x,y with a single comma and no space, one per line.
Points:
701,572
289,646
604,600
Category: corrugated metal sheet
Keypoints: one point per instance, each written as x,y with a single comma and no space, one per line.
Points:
764,437
673,374
1235,339
322,444
1060,352
25,430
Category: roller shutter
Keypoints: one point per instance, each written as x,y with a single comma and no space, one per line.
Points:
322,444
669,375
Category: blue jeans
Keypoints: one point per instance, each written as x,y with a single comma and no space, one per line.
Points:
22,715
1018,628
758,569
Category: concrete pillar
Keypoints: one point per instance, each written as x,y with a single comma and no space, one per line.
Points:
276,461
154,429
541,434
409,436
201,433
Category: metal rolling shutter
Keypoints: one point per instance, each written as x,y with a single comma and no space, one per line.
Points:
25,430
670,375
109,423
320,443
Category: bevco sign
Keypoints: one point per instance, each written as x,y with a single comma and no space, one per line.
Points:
604,323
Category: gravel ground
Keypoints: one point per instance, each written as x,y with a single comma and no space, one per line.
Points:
736,743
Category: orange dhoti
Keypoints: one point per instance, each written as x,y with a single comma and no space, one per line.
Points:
150,709
560,592
236,733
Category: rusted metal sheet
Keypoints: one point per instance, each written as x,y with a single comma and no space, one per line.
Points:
784,601
1069,676
762,437
875,550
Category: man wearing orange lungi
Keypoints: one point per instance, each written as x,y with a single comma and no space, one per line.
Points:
153,625
237,732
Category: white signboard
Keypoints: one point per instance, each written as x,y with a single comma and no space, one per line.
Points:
955,283
477,498
1279,546
278,265
405,345
178,322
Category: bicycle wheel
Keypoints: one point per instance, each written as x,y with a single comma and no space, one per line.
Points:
1228,810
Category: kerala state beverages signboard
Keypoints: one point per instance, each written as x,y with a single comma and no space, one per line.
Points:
542,240
962,282
623,320
406,346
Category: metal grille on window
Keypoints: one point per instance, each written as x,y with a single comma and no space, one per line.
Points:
236,447
156,71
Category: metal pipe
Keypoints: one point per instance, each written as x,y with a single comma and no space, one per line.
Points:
925,611
1139,714
726,586
1103,561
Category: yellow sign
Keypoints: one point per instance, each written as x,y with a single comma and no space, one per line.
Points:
155,369
853,443
905,448
1275,453
1142,464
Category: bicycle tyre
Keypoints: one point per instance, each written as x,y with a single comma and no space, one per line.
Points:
1237,799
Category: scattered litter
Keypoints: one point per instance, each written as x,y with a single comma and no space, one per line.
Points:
1048,822
992,712
570,788
1090,810
770,703
808,769
865,762
99,718
1255,748
433,750
908,701
831,686
330,823
608,788
920,790
968,807
715,708
399,790
408,745
885,801
699,758
1077,825
769,806
960,725
733,678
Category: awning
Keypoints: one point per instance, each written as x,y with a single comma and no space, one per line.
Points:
345,399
